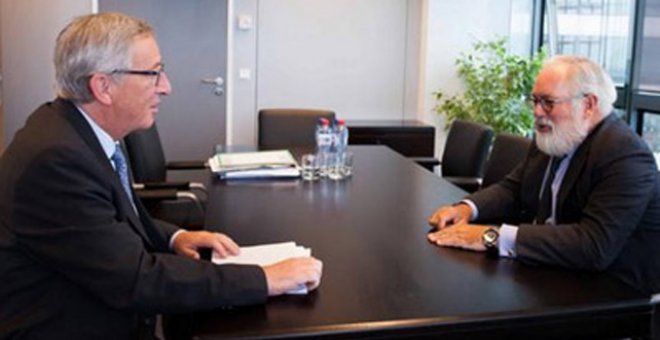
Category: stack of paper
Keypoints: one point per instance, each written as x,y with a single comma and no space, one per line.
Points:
276,163
267,254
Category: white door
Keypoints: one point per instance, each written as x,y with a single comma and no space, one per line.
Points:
192,35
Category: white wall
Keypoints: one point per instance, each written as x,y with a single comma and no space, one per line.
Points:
413,99
452,28
242,93
345,55
359,58
29,29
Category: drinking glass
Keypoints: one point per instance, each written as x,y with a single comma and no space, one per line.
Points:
335,169
308,166
347,164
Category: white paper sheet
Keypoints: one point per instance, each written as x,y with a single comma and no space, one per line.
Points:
267,254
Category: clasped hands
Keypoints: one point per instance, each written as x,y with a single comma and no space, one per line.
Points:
281,277
453,230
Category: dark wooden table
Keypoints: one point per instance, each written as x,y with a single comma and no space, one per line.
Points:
381,278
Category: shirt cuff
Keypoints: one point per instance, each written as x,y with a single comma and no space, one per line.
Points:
475,211
507,240
176,233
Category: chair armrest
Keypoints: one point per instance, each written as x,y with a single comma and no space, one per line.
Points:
469,184
162,185
427,162
187,165
156,194
170,185
176,186
168,194
182,208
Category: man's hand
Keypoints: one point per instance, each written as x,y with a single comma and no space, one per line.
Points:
188,243
289,274
466,236
448,215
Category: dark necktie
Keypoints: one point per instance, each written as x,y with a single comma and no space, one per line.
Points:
545,203
122,170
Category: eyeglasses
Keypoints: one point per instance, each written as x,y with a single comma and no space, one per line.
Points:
148,73
548,103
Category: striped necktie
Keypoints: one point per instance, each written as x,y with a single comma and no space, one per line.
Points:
122,171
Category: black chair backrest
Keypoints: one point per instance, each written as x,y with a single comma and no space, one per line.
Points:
508,151
466,149
146,155
284,128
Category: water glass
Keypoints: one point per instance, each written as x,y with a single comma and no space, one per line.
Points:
335,170
321,164
347,164
342,167
308,164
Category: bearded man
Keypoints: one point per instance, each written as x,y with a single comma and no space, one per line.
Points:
585,197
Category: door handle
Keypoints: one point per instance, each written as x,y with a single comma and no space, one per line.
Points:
217,81
218,90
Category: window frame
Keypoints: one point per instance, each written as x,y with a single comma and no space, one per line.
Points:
635,103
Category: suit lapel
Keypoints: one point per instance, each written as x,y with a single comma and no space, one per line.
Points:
578,162
533,178
572,173
122,203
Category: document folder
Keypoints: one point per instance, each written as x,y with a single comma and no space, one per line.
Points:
260,164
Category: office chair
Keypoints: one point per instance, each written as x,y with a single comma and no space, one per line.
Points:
176,202
464,157
285,128
507,152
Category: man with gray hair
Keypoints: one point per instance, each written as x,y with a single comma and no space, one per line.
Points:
80,257
585,197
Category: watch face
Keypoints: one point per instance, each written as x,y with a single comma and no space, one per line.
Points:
490,237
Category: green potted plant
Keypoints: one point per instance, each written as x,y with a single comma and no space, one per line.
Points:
497,83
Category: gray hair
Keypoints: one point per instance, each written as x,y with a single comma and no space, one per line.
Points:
587,77
94,43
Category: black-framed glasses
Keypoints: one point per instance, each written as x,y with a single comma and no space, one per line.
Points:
548,103
148,73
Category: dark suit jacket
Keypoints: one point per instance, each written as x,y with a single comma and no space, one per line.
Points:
608,208
76,262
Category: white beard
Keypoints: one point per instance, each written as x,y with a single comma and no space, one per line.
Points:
564,137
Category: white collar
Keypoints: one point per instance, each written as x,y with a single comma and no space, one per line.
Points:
107,143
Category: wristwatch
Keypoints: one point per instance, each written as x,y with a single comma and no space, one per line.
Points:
490,239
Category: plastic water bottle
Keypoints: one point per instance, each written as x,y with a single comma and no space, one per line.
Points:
323,145
342,137
331,157
340,146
